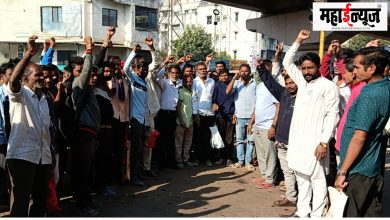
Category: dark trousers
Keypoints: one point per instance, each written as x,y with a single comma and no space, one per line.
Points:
120,130
3,177
166,141
226,130
202,136
363,196
137,140
104,163
28,179
83,156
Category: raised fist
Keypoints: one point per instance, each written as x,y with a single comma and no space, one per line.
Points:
303,35
279,47
110,32
149,41
52,42
32,48
136,47
88,42
209,57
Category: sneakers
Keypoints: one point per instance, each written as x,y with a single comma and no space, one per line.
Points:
149,173
188,164
88,212
218,162
285,203
180,165
108,192
250,167
236,165
137,182
209,163
229,163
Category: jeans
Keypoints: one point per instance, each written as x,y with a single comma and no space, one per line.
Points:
242,139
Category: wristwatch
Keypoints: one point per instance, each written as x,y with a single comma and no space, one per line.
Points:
341,173
324,145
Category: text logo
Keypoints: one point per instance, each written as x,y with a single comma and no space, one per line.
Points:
368,16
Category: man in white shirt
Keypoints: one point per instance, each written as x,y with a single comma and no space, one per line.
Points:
202,94
166,118
314,119
29,157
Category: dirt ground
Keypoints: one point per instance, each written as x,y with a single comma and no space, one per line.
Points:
198,192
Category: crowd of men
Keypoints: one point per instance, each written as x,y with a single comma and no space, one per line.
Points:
287,116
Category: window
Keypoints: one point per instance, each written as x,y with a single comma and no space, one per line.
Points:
145,18
236,16
50,17
109,17
209,19
186,12
235,35
64,55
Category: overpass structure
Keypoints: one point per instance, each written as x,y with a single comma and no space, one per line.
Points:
282,19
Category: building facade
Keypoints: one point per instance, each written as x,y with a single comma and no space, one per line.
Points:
227,26
69,21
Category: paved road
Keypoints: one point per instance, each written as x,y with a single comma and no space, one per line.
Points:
212,192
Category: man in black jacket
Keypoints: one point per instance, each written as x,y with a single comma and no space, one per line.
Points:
286,97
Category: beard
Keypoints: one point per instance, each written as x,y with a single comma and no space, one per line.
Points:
107,78
310,77
245,77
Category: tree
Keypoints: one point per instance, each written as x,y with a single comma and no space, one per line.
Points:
195,40
360,41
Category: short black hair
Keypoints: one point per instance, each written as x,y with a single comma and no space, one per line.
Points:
349,66
245,65
173,66
313,57
221,62
108,64
72,62
225,70
6,65
142,64
46,68
374,56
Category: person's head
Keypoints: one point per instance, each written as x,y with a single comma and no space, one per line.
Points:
219,66
201,70
174,72
187,81
47,77
268,65
137,59
349,77
33,77
310,64
93,81
224,75
6,71
108,69
188,69
55,74
116,61
370,62
291,87
75,65
245,72
142,69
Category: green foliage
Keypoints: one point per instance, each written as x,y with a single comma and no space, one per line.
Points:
222,55
360,41
195,40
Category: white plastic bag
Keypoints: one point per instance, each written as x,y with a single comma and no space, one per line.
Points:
338,199
216,139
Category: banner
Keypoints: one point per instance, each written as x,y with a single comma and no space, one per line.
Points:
355,16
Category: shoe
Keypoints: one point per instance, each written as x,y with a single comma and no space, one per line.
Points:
180,165
88,212
137,182
188,164
209,163
265,185
218,162
236,165
149,173
285,203
108,192
250,167
229,163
